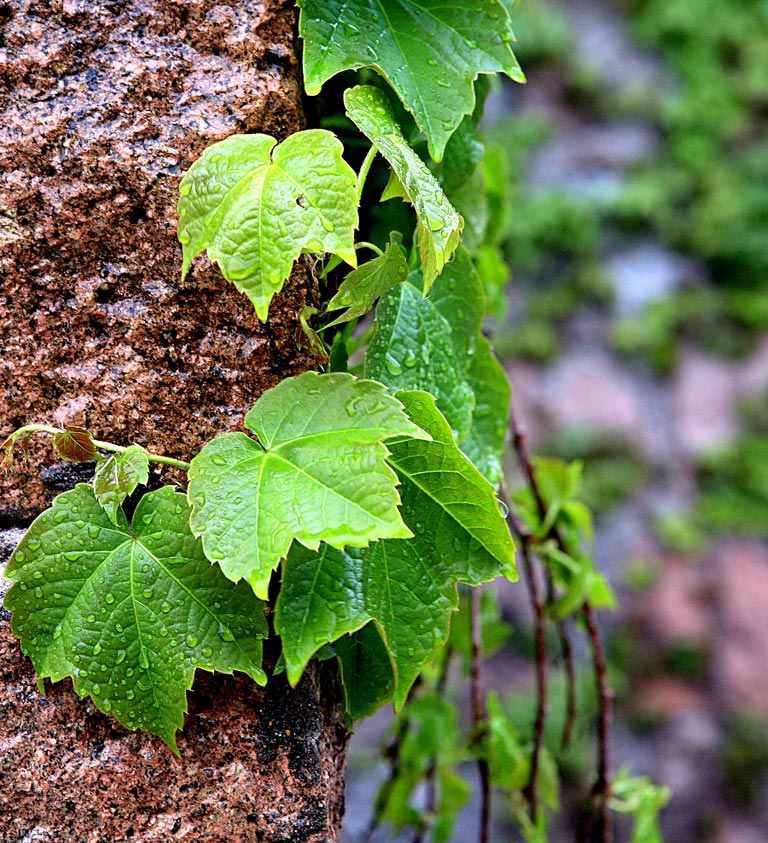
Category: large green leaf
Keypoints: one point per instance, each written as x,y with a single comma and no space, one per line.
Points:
366,671
368,282
317,473
426,343
412,349
407,587
490,417
118,476
129,612
436,344
439,226
430,52
256,205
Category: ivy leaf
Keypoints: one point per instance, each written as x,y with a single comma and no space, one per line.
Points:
317,473
439,226
412,350
373,279
407,587
490,417
366,672
118,476
256,205
442,487
430,51
426,343
129,612
75,444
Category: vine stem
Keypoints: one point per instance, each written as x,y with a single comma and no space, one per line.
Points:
531,790
363,174
364,244
479,717
104,446
601,790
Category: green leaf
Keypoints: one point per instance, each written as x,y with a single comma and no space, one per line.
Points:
412,349
439,226
508,761
366,671
639,797
317,473
490,417
129,612
427,343
256,205
431,741
442,487
118,476
430,52
371,281
408,588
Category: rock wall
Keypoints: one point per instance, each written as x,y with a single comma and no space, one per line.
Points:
103,105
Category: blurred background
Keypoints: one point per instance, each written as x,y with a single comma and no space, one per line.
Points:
630,201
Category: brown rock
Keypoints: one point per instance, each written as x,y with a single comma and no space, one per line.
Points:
741,664
103,106
256,764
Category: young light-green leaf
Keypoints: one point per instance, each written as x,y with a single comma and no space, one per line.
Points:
129,612
430,51
439,225
317,473
118,476
407,587
256,205
368,282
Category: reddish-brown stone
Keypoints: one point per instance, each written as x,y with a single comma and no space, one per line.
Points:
103,106
256,764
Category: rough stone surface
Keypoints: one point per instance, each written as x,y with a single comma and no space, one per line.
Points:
103,105
256,765
743,626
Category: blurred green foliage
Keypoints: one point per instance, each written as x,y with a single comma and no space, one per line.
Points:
705,193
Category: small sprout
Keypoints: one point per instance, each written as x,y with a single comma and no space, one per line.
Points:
75,444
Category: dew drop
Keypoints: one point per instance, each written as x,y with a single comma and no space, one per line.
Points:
165,607
109,597
206,652
96,690
130,694
409,358
91,619
144,659
39,593
217,459
191,639
225,634
392,365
